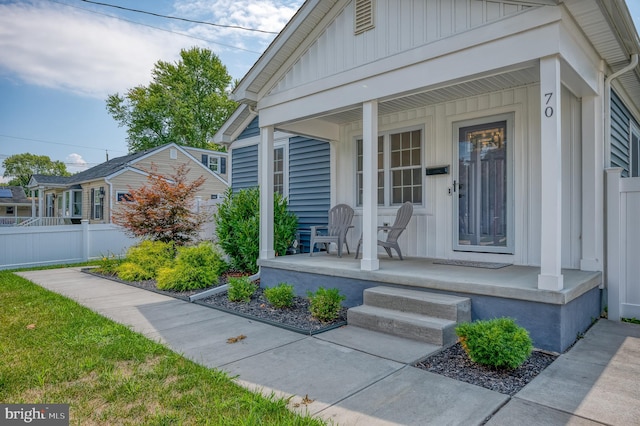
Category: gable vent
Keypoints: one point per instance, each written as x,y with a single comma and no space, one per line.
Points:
363,15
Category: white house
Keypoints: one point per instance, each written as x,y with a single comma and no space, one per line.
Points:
496,119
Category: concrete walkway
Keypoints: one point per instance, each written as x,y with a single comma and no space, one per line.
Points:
357,377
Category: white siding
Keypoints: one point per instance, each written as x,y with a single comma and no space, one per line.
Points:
400,26
430,232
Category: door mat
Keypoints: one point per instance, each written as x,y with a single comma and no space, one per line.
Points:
472,264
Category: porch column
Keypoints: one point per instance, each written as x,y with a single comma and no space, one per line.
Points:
550,277
592,180
33,202
370,260
266,193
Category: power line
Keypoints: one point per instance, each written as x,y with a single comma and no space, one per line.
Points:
56,143
157,28
237,27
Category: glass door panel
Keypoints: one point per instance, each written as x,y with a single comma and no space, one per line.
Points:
481,188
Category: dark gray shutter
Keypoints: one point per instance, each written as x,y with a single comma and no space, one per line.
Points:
205,160
223,165
92,202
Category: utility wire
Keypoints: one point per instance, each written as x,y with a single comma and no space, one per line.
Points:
237,27
156,28
55,143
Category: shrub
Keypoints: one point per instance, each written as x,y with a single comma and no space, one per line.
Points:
280,296
238,227
325,303
240,289
499,342
109,264
130,271
195,268
150,256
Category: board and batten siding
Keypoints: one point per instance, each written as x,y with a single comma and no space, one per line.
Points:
431,229
309,184
399,26
621,119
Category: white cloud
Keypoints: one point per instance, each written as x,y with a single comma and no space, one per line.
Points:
50,45
75,163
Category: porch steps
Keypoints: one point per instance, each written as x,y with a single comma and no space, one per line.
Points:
417,315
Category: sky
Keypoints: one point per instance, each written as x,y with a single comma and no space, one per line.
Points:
60,59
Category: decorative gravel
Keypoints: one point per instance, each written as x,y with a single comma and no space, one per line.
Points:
297,317
454,363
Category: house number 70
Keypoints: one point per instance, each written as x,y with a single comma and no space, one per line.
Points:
548,111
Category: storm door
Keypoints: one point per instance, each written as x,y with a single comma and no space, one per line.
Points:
482,187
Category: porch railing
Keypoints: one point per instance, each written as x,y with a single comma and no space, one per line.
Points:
623,245
45,221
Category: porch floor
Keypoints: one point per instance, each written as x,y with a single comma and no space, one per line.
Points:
511,282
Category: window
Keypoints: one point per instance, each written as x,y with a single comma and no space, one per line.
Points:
399,168
97,202
73,203
10,210
278,170
123,197
634,150
215,163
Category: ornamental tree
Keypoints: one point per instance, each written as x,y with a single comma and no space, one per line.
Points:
163,208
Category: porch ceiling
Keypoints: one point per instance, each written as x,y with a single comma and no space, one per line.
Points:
528,74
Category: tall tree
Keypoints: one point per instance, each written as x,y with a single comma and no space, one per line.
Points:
186,103
20,167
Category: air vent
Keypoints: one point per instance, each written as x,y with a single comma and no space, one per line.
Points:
364,17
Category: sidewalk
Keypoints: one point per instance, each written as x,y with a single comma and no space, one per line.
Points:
357,377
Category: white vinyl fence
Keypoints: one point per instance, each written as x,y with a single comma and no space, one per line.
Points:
22,247
623,245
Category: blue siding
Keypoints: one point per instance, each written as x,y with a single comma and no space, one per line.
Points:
309,183
253,129
244,170
620,128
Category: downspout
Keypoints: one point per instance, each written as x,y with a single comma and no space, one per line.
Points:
607,107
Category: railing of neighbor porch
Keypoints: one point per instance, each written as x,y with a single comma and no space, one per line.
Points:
623,245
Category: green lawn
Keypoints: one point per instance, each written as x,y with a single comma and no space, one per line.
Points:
53,350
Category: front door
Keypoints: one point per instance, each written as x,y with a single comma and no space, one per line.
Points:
481,188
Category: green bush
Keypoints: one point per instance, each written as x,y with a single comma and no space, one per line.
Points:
195,267
109,264
325,303
129,271
499,342
280,296
240,289
238,227
150,256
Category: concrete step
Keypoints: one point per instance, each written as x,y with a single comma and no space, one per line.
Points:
453,308
410,325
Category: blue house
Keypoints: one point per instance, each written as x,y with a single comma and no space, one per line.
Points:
496,119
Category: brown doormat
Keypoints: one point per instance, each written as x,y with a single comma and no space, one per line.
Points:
472,264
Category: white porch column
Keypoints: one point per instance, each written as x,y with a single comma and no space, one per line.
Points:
550,277
592,180
33,202
266,193
370,260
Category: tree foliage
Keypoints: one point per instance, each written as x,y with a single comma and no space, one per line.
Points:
162,209
20,167
186,103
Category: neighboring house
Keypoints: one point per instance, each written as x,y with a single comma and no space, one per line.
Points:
496,119
14,205
94,193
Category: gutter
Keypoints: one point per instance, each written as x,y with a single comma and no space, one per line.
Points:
607,107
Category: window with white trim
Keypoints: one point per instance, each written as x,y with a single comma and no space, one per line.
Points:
123,197
73,203
399,168
215,163
634,150
278,170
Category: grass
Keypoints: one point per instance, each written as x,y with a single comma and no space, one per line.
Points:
633,320
53,350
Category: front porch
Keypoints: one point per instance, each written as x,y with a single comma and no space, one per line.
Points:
553,318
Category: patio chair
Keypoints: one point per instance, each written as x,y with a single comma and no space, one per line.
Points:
335,231
394,231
